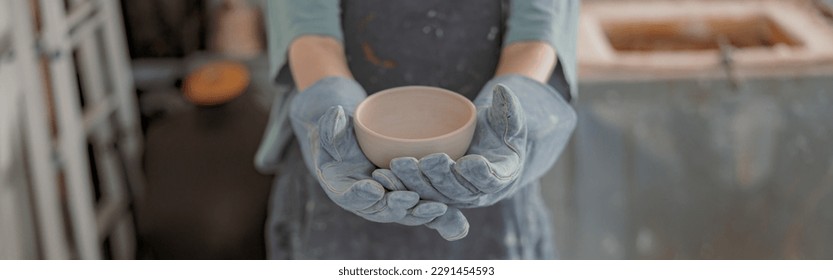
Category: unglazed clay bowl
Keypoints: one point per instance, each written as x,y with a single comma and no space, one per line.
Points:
414,121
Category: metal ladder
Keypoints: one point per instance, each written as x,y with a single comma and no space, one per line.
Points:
79,97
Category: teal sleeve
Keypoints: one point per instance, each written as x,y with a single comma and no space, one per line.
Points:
551,21
288,19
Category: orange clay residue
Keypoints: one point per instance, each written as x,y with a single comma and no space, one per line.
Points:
365,21
370,55
216,83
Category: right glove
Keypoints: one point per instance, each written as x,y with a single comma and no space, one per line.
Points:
522,127
320,120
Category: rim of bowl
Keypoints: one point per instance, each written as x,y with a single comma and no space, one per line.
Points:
469,104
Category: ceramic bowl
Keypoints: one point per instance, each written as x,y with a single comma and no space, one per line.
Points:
414,121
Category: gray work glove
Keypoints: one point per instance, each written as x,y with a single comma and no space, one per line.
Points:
321,121
522,128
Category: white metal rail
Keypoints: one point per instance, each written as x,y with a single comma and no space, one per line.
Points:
86,35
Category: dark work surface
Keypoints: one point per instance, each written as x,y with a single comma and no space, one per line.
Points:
204,198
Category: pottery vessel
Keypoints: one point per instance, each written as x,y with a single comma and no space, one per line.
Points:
414,121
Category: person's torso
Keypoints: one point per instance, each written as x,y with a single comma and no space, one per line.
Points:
449,44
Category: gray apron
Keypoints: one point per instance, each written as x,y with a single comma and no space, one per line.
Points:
449,44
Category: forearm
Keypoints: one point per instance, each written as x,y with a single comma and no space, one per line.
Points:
552,119
312,58
323,80
532,59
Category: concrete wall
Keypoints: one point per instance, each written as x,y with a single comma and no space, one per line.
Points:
693,169
700,153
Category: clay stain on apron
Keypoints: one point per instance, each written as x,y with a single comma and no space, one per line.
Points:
371,57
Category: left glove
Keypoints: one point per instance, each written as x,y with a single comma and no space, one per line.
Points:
324,128
522,128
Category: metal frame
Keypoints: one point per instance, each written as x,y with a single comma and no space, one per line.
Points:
51,233
16,225
116,144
